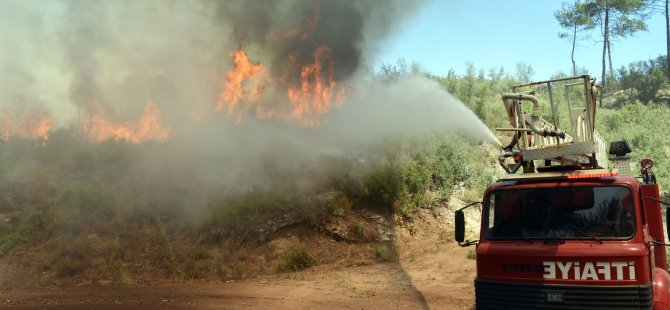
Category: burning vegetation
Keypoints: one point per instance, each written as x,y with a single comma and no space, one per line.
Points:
307,81
148,127
189,137
26,126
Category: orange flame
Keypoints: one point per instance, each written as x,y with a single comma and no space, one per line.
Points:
315,94
148,127
26,126
234,91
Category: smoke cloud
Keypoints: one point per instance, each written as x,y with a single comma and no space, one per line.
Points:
64,56
71,59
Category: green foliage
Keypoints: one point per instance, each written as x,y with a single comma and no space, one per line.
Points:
337,212
645,127
573,19
524,72
337,205
617,19
238,271
240,217
385,185
480,92
296,258
625,17
420,173
28,226
124,276
645,78
472,254
412,229
357,230
400,68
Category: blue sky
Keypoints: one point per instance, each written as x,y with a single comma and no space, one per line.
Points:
446,34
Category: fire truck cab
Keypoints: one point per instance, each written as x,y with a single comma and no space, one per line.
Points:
562,230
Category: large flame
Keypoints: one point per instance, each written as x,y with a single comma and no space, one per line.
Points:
26,126
315,94
311,89
234,90
148,127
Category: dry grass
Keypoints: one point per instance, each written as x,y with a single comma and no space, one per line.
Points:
386,253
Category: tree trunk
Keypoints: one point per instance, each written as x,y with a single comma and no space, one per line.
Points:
574,42
606,31
609,57
667,40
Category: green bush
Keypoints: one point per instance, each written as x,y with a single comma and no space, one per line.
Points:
296,258
357,230
645,77
422,173
29,225
124,276
645,127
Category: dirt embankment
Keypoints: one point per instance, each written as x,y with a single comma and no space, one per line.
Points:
424,270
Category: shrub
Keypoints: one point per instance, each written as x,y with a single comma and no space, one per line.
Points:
423,173
28,225
357,230
337,205
70,255
645,128
67,266
124,276
385,253
337,212
472,254
238,271
297,258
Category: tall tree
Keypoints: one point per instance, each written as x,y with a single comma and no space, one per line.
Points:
524,72
575,21
661,6
617,19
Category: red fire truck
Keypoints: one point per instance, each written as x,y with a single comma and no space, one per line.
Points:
567,227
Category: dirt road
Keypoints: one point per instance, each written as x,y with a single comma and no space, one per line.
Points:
432,277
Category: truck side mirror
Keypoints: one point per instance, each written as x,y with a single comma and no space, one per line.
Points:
459,226
459,223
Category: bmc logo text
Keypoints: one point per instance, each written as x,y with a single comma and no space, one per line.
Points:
589,270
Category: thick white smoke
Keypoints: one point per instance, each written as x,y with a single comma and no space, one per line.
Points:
65,58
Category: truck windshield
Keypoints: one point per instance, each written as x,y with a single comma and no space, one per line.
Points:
595,212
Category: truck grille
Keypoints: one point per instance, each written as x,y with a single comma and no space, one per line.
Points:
499,295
